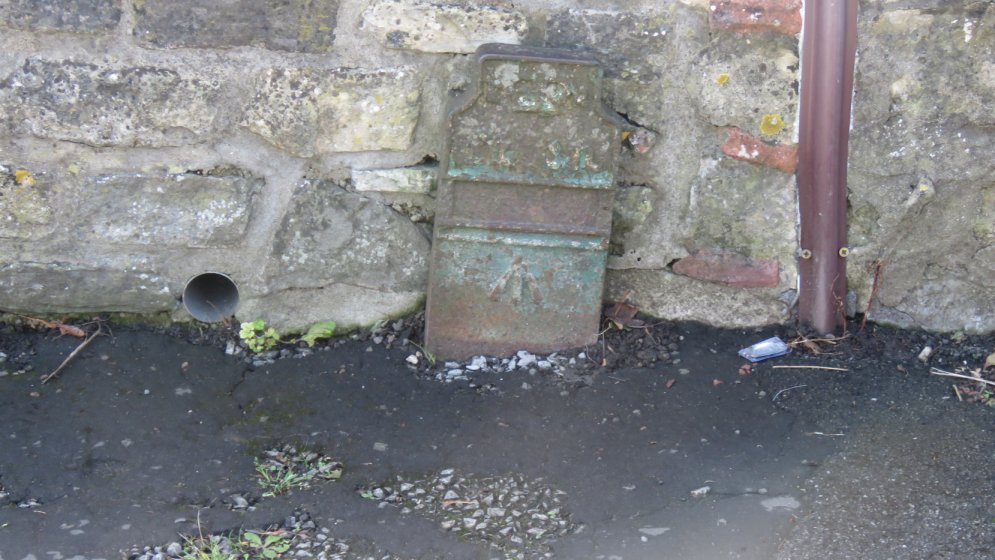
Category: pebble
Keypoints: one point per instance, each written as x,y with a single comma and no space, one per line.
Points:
477,364
701,492
525,359
238,502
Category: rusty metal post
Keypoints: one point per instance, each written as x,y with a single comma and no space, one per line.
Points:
828,58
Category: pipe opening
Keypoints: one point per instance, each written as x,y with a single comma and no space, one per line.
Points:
210,297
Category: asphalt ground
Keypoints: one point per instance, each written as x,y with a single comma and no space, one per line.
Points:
145,437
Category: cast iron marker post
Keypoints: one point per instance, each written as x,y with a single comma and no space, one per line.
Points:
524,207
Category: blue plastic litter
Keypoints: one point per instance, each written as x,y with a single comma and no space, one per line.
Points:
765,350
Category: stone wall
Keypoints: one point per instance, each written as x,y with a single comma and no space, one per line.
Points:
292,145
922,169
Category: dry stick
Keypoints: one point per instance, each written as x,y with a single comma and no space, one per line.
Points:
69,358
802,340
875,286
827,368
936,371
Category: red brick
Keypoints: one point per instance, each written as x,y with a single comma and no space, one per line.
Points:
781,16
743,146
731,269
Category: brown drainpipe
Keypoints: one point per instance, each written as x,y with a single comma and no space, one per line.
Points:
829,49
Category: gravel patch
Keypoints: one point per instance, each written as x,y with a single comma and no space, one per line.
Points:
516,516
297,536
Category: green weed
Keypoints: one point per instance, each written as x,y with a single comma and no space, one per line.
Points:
257,337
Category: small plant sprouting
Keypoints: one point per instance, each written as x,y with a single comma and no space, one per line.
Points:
205,549
283,470
257,336
428,355
248,544
268,545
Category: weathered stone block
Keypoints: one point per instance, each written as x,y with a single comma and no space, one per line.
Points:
25,204
71,287
108,106
289,25
932,259
636,46
308,111
730,269
781,16
443,27
190,210
343,257
630,210
742,146
351,307
76,16
671,296
923,118
743,208
331,236
752,86
419,179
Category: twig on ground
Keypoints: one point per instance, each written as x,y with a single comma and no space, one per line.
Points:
827,368
72,355
936,371
778,394
957,392
823,434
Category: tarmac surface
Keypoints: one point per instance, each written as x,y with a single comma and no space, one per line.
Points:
145,437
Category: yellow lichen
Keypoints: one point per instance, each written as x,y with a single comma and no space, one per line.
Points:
24,178
722,79
771,124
